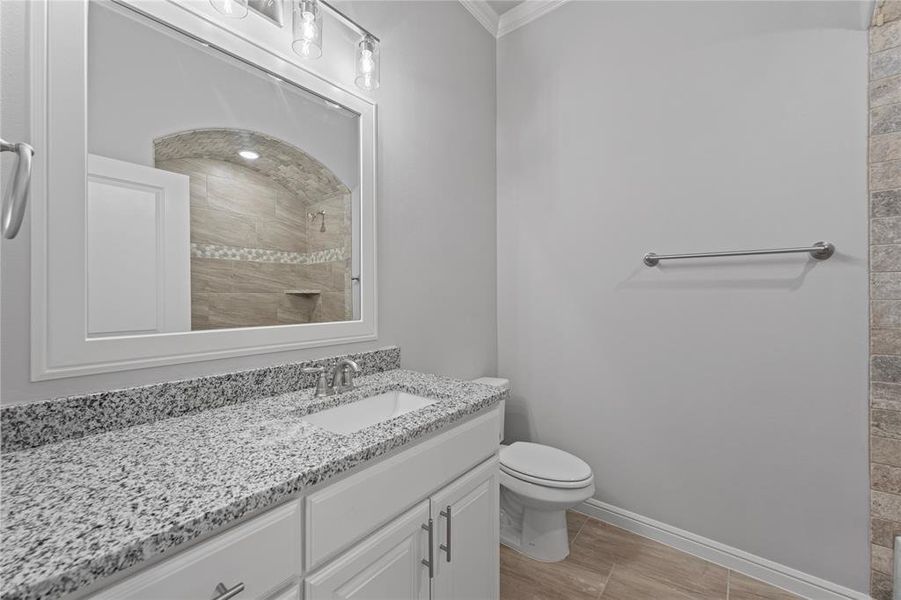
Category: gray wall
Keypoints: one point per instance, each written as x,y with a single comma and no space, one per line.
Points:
436,228
726,398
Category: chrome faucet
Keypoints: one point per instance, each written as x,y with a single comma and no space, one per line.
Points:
341,379
343,375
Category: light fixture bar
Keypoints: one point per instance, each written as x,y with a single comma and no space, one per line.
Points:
348,21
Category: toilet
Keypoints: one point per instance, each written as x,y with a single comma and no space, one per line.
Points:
538,484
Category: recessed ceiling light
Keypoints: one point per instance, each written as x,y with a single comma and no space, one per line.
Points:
248,154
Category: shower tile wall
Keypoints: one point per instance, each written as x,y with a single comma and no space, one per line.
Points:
271,247
337,304
885,293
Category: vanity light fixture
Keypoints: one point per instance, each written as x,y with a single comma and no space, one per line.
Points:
248,154
307,35
235,9
367,63
307,28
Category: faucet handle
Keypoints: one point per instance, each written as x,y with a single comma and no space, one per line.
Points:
322,387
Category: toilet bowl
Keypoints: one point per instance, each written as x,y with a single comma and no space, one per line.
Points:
538,484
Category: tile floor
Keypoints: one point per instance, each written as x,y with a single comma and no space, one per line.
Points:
608,563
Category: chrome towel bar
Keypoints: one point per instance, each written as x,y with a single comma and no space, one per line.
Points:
819,250
16,195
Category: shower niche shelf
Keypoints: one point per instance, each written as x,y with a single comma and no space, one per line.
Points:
303,292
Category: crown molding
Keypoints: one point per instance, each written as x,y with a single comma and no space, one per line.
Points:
525,13
514,18
483,13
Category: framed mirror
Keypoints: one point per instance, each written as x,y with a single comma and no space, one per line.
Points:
200,194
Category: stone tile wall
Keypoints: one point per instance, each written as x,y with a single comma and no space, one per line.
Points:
885,293
274,248
336,236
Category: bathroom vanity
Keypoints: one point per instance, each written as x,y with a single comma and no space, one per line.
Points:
352,539
250,501
236,217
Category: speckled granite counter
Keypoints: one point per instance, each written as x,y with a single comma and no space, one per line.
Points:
81,510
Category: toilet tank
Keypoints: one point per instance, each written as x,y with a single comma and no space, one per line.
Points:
504,384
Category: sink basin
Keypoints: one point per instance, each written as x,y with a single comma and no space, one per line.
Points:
358,415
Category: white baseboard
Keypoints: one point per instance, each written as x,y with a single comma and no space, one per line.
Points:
796,582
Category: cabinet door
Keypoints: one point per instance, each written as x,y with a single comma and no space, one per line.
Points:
385,566
292,592
465,513
138,229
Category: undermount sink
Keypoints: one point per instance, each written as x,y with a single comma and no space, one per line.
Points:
358,415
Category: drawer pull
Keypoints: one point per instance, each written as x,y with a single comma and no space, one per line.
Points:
430,563
228,593
447,516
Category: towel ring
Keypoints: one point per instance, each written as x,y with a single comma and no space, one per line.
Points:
16,196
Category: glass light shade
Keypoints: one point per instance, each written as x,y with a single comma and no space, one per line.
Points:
307,28
367,64
236,9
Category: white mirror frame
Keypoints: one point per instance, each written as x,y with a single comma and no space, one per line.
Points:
60,346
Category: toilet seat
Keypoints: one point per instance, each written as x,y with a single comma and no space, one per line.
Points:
545,466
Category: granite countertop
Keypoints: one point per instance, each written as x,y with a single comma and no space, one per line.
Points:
80,510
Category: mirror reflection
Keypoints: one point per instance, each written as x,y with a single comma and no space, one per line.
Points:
219,196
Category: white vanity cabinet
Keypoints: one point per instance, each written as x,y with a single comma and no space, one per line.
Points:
389,564
465,517
398,563
419,525
250,561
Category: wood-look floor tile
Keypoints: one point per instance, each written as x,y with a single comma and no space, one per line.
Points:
522,577
638,557
599,546
574,522
742,587
513,588
630,585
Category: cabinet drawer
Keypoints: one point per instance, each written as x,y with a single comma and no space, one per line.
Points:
262,554
347,511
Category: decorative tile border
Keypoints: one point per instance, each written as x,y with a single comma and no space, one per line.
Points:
31,425
267,256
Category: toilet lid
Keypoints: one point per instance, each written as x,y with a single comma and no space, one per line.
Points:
543,463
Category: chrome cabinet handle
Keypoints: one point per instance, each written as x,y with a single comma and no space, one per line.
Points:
228,593
446,513
430,563
16,196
